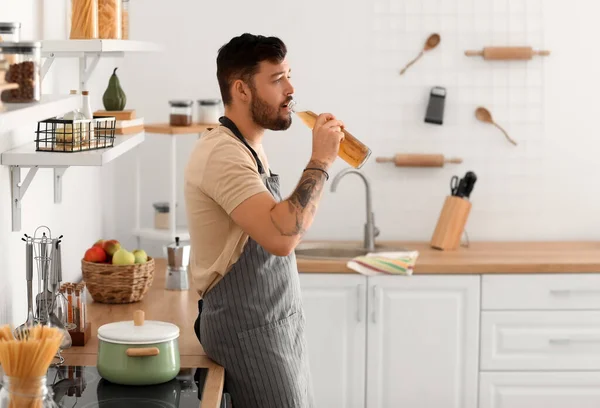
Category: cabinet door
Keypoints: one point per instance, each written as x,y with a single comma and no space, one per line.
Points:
335,308
423,341
540,390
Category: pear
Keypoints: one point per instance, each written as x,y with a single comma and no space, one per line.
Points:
114,98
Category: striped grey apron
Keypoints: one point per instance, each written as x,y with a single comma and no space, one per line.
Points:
252,324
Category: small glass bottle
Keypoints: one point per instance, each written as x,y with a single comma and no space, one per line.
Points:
26,392
352,150
24,71
181,113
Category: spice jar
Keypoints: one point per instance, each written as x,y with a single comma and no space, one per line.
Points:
209,110
24,71
181,113
84,20
125,20
109,19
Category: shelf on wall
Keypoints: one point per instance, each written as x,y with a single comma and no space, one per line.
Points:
14,115
27,157
162,234
75,48
166,129
93,49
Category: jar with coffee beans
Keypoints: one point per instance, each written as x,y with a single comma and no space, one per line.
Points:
181,113
24,70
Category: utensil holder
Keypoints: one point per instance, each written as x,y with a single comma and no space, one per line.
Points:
451,223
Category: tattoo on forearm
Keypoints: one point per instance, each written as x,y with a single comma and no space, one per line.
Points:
303,201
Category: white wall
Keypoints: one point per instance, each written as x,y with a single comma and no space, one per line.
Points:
345,58
79,216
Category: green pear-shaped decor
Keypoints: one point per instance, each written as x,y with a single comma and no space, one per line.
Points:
114,98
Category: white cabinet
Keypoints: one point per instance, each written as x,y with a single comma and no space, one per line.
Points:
335,309
423,335
540,390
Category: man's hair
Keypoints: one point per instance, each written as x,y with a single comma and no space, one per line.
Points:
241,56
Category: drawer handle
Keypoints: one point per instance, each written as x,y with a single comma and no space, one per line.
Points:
567,292
568,341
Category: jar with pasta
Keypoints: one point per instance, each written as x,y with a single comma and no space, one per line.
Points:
109,19
125,20
84,20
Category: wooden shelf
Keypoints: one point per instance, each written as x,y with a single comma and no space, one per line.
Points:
26,156
162,234
166,129
14,115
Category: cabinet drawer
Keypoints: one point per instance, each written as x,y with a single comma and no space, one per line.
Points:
540,340
541,292
539,390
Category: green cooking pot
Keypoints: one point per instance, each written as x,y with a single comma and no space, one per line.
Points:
138,352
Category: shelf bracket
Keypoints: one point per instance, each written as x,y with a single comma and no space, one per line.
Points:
18,190
58,178
85,71
47,64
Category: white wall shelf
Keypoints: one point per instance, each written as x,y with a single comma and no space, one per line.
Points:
92,49
27,157
14,115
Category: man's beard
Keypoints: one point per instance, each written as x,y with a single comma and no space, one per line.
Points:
266,116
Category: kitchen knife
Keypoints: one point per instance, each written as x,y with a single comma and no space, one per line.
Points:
469,179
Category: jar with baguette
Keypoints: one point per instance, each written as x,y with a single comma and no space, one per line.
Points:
109,19
125,20
84,20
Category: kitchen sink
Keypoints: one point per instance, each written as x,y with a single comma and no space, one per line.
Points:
337,250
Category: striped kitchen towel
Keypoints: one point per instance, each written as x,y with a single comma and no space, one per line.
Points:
391,263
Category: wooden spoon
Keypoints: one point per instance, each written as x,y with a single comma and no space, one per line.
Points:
484,115
432,41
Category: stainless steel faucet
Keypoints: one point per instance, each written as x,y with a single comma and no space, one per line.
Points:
371,231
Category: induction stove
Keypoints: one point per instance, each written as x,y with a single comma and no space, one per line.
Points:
83,387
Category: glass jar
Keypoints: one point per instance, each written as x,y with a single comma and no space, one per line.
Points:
26,392
181,113
125,20
10,32
352,150
24,71
84,20
109,19
209,111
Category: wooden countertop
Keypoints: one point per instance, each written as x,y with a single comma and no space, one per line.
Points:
177,307
486,258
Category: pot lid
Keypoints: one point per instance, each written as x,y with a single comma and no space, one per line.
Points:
138,331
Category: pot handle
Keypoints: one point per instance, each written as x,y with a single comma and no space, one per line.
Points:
143,352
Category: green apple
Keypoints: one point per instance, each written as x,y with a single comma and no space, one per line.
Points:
123,257
140,256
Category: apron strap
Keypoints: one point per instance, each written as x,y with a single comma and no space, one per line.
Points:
228,123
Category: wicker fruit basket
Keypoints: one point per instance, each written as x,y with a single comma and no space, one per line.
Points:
109,283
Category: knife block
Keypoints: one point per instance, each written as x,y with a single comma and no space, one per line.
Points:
451,223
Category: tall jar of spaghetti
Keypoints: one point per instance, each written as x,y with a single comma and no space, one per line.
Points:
110,19
84,20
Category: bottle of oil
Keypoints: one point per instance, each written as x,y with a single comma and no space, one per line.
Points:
352,150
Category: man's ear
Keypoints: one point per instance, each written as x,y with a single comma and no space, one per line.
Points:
241,90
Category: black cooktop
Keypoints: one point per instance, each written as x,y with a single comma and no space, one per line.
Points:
82,387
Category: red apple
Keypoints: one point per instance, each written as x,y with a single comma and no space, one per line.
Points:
95,254
99,243
111,246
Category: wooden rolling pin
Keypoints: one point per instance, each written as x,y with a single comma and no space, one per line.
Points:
418,160
506,53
